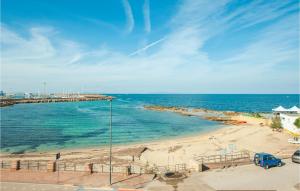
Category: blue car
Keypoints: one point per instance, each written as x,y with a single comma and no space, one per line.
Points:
266,160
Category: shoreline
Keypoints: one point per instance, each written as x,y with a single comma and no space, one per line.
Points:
214,115
121,145
177,110
253,136
180,150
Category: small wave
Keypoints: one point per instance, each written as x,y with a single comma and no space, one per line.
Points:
122,100
84,110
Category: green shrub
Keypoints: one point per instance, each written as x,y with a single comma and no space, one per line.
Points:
297,122
276,123
257,115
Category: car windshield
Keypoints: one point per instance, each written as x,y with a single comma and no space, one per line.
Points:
297,153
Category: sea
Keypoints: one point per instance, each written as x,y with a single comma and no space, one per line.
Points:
45,127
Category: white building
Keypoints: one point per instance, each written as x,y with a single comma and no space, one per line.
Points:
288,118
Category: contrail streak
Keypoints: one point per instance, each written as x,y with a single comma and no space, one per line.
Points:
147,46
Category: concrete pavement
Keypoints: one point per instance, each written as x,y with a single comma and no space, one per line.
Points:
248,177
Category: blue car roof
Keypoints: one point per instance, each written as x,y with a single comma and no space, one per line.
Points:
263,154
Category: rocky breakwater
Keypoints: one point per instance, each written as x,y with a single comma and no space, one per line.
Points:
225,117
83,97
4,103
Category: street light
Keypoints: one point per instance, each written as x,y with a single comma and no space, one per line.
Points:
110,141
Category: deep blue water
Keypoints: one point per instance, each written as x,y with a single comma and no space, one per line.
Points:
53,126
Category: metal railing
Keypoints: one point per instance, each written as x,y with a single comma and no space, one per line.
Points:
237,156
33,165
5,164
162,169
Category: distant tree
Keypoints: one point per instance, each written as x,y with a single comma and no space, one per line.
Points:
297,122
276,123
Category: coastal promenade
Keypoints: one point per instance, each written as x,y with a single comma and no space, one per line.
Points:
247,177
76,178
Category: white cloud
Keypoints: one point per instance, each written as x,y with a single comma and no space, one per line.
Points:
36,47
258,12
129,15
180,64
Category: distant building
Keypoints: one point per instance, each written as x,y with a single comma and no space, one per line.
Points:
28,95
2,93
19,95
288,117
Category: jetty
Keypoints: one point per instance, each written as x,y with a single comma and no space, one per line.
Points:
82,97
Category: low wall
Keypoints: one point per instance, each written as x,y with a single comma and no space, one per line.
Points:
52,166
287,122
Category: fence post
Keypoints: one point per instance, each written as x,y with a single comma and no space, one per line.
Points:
89,167
15,165
51,166
128,170
200,167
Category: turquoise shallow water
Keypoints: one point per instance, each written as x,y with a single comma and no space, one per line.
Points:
54,126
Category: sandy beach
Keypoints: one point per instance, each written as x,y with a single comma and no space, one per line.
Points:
245,134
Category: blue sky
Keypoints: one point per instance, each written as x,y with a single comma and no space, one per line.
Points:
150,46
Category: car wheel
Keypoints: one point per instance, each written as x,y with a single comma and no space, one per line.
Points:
267,167
280,164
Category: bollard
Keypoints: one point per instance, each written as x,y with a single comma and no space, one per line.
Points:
51,166
15,165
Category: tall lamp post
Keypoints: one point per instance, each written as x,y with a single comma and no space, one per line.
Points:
110,141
